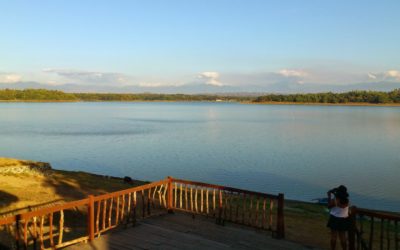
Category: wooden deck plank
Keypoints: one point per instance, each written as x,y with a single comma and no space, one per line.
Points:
151,237
179,231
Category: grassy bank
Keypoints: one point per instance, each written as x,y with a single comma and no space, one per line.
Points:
20,192
305,222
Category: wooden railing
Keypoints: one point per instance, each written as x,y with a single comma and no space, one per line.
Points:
78,221
374,230
258,210
83,220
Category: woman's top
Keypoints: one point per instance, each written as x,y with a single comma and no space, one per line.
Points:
340,212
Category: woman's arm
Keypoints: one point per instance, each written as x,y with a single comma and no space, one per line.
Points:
331,202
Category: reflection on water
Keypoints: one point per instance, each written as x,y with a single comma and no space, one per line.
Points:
301,151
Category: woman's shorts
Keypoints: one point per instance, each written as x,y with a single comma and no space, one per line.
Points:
338,224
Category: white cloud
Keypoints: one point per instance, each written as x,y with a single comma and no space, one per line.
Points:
284,76
293,73
390,75
89,77
395,74
371,76
210,78
150,84
9,78
156,84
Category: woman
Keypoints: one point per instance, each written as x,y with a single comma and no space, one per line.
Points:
339,215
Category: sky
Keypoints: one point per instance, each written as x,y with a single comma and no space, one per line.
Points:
217,43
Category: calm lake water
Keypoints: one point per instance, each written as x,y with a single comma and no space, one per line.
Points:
301,151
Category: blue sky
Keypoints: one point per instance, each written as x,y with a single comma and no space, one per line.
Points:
219,42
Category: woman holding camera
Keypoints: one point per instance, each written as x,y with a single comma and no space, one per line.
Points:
338,215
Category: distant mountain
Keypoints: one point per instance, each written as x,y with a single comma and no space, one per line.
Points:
70,87
378,86
194,88
23,85
291,88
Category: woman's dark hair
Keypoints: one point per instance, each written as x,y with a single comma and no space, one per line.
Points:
342,189
341,193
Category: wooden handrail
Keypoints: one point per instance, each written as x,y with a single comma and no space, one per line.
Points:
107,211
378,214
8,220
129,190
388,234
56,208
231,189
226,203
109,204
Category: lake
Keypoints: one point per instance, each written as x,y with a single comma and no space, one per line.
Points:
299,150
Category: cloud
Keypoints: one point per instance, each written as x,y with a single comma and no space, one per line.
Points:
157,84
150,84
298,76
390,75
210,78
9,78
261,79
89,77
293,73
393,74
371,76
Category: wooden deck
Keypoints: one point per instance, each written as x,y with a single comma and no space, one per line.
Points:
181,231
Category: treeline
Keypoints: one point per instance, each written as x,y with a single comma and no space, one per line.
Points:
157,97
143,97
36,95
54,95
374,97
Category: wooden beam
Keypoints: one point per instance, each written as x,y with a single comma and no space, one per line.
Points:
90,218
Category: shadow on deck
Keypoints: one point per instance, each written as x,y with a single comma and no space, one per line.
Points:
181,231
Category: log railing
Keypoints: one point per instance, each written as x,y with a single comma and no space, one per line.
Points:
45,228
254,209
80,221
374,230
129,206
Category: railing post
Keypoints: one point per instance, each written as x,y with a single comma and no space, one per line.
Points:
352,230
220,220
280,226
91,218
169,198
18,218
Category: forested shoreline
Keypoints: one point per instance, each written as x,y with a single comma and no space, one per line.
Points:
372,97
367,97
55,95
